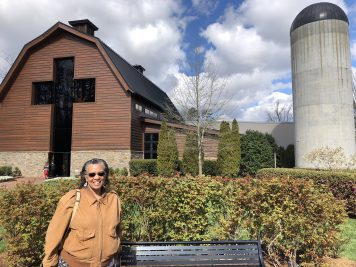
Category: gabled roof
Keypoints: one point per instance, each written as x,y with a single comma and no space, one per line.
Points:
128,76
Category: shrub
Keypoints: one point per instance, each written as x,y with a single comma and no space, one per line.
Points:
25,212
16,172
286,157
5,171
141,166
340,183
118,171
167,152
190,162
256,152
210,167
295,218
229,155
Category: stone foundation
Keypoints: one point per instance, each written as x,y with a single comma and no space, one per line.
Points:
30,163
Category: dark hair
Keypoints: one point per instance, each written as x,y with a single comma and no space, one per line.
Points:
92,162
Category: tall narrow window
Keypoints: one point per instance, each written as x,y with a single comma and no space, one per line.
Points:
151,142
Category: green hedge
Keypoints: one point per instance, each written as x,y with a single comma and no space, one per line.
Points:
8,171
292,216
143,166
342,184
210,167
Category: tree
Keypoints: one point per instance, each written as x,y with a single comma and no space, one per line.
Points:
200,99
229,155
5,67
281,113
167,152
224,149
236,158
256,152
191,155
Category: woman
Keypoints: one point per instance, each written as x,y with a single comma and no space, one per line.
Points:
91,237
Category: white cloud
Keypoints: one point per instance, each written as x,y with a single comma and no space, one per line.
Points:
148,33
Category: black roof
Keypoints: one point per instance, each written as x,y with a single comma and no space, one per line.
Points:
317,12
139,84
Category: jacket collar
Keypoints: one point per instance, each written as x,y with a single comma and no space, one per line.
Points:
92,199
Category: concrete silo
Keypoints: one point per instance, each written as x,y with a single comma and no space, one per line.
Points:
322,81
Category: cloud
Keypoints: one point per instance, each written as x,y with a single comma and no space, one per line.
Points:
148,33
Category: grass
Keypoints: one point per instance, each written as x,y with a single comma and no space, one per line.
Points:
349,232
2,241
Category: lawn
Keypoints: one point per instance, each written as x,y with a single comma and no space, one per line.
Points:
349,232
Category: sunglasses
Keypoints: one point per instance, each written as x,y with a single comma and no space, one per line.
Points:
92,174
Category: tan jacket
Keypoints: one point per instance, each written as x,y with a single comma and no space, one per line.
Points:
93,238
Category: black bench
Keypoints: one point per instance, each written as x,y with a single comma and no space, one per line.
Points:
202,253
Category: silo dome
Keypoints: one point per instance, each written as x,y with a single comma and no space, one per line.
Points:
322,83
317,12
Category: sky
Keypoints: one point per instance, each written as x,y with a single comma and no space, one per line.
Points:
248,41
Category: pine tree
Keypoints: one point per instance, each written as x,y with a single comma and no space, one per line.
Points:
190,162
167,152
224,148
236,158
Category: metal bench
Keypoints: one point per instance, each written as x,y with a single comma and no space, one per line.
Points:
202,253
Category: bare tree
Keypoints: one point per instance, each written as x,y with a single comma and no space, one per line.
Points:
200,98
281,113
5,64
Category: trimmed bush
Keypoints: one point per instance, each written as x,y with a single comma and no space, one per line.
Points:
256,152
167,152
143,166
210,167
340,183
190,161
5,171
295,218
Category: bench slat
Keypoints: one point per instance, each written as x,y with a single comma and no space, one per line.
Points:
205,253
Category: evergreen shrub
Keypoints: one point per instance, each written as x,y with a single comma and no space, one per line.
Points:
340,183
190,161
142,166
167,152
210,167
5,171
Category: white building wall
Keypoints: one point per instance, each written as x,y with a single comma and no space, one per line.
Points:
322,88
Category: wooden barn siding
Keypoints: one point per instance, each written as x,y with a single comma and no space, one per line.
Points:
210,142
104,124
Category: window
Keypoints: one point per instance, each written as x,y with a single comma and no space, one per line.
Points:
151,113
83,90
42,93
138,107
151,142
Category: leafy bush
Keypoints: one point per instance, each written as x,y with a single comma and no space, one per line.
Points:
142,166
5,171
210,167
118,171
340,183
295,218
25,212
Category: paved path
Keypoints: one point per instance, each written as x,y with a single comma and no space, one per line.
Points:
12,183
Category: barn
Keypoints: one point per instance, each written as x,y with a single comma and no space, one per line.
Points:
69,97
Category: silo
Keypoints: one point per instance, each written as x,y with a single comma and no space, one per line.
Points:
322,81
